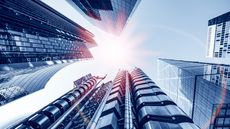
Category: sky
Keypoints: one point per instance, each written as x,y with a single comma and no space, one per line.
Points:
175,29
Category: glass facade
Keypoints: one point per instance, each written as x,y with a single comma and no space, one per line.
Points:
221,116
195,87
36,41
109,15
219,36
87,9
17,83
30,31
131,101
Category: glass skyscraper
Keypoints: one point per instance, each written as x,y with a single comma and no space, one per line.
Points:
36,42
200,89
20,82
31,31
109,15
131,101
218,39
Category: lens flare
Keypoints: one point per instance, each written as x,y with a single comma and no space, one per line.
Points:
122,51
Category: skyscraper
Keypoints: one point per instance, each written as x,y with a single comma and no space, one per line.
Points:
17,83
109,15
131,101
31,31
35,42
200,89
218,39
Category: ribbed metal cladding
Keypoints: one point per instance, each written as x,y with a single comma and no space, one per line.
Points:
153,108
118,113
73,109
131,101
113,113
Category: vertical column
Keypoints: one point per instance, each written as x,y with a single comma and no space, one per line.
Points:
128,105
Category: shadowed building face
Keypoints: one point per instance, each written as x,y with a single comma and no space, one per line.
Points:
109,15
31,31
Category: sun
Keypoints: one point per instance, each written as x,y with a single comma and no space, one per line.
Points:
115,52
112,50
123,51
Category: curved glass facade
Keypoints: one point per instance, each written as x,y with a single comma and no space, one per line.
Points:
35,42
20,82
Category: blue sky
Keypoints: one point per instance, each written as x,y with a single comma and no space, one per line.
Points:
167,28
174,29
177,28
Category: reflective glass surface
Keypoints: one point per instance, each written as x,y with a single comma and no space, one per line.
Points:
195,87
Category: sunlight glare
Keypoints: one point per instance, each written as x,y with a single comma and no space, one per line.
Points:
112,50
122,51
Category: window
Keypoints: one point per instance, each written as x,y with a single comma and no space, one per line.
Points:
222,112
227,121
218,35
220,121
228,110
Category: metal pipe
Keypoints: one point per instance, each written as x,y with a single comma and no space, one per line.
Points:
92,124
128,110
58,121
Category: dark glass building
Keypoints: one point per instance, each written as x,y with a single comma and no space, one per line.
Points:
131,101
36,42
31,31
200,89
109,15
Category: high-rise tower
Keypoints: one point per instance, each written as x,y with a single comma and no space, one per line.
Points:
131,101
201,89
109,15
31,31
35,42
218,39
